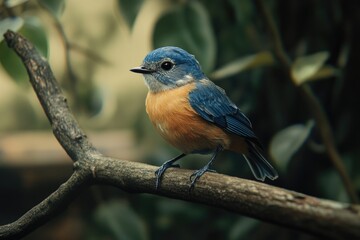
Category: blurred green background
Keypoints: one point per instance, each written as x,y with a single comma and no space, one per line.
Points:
92,45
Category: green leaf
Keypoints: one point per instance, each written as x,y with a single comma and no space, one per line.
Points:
129,9
117,220
243,11
288,141
324,72
306,67
243,64
242,228
331,186
188,26
14,3
11,23
34,32
56,7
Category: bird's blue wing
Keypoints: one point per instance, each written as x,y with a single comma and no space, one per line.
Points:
212,104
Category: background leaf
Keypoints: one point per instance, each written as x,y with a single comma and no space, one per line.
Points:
242,228
256,60
324,72
331,178
286,142
116,220
129,9
56,7
14,3
188,26
12,23
32,30
306,67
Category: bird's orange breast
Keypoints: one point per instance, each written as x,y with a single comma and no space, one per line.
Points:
172,115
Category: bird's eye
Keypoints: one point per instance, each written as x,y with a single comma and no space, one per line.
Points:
167,65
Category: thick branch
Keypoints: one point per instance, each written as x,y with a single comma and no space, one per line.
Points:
295,210
65,127
321,217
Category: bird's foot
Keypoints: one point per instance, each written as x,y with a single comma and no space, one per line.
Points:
198,173
162,169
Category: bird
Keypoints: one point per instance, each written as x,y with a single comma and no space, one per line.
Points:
195,115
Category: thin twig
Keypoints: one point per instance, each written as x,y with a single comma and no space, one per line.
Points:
314,105
89,54
67,47
47,209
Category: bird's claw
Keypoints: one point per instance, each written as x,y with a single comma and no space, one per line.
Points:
161,170
197,174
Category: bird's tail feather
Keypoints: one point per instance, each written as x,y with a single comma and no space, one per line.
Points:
259,166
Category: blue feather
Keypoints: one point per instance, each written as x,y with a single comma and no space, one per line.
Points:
212,104
258,164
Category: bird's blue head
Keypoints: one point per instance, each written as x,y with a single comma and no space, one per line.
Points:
169,67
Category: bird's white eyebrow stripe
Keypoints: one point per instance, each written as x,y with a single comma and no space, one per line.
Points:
186,79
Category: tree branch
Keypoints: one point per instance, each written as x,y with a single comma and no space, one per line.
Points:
64,126
314,105
47,209
279,206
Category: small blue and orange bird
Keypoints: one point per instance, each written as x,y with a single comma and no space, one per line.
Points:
194,115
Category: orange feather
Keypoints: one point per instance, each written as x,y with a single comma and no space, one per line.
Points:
174,118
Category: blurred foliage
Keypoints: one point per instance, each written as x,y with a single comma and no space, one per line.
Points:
286,142
33,30
231,44
56,7
129,9
305,68
188,26
116,220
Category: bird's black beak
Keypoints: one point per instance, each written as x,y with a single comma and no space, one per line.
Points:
141,69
